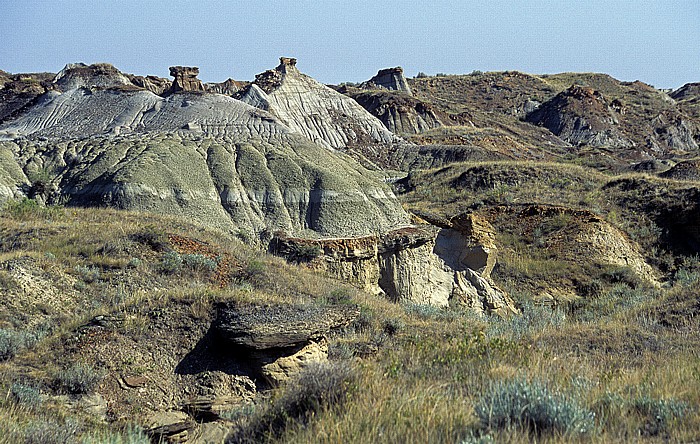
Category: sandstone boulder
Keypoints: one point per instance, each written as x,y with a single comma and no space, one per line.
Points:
284,368
469,243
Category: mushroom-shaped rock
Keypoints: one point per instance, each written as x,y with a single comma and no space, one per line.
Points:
262,327
185,79
287,63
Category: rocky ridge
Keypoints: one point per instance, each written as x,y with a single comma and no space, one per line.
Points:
315,110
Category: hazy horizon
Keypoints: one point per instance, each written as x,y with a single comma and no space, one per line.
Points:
350,41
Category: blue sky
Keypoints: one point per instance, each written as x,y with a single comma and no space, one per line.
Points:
654,41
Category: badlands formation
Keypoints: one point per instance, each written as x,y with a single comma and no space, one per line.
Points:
282,157
283,260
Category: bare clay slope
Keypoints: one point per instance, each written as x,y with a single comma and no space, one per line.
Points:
97,139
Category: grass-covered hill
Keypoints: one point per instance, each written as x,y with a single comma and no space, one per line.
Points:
105,311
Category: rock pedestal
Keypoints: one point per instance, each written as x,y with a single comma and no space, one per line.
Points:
185,79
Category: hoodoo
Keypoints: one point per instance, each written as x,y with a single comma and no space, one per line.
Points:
185,79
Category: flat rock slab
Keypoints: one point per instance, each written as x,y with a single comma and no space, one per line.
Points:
261,327
160,424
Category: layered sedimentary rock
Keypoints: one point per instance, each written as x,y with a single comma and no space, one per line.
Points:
581,116
20,91
417,264
98,75
207,156
229,87
99,139
248,186
689,91
399,112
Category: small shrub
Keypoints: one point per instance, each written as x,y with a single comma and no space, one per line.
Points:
340,296
88,274
245,236
199,263
393,326
26,395
26,208
319,386
622,275
254,270
421,75
589,287
687,276
77,379
51,432
239,412
531,406
660,414
171,262
364,321
12,342
434,312
134,262
534,319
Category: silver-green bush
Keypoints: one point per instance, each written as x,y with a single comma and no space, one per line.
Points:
532,406
78,378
